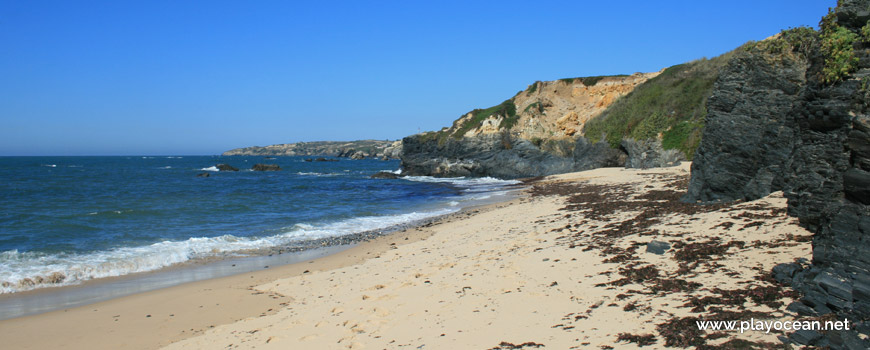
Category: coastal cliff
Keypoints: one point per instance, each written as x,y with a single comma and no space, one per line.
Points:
351,149
642,120
791,114
537,132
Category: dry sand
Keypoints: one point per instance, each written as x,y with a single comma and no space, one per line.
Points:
562,267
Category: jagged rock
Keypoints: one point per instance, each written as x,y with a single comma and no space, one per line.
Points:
358,155
801,309
771,125
657,247
265,167
785,272
203,175
226,167
502,155
856,184
385,175
805,337
749,131
645,154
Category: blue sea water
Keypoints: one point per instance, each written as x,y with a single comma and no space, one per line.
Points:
65,220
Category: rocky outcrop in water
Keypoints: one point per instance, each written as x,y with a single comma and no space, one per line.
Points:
226,167
265,167
385,175
774,123
360,149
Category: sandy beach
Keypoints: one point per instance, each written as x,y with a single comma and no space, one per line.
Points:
563,266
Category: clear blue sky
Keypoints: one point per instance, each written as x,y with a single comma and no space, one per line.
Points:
185,77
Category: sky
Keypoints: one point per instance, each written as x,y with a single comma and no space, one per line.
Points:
202,77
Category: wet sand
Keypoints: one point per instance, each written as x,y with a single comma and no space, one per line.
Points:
563,266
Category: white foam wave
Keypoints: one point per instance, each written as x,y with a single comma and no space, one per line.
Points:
211,168
49,165
467,184
25,271
302,173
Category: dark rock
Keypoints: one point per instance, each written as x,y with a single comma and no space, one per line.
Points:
772,125
502,155
321,159
657,247
805,337
309,160
785,272
801,309
265,167
385,175
646,154
856,184
834,285
226,167
749,131
203,175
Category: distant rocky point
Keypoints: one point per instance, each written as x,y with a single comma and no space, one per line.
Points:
348,149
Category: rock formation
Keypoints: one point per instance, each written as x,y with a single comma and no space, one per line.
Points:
777,120
226,167
537,132
265,167
365,149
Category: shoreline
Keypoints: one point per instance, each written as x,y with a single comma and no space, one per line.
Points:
562,265
163,322
58,297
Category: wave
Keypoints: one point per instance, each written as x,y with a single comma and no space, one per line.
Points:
316,174
31,270
49,165
211,168
467,184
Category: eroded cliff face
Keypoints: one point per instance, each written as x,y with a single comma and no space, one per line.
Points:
557,109
537,132
779,122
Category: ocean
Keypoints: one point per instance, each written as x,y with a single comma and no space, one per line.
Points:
68,220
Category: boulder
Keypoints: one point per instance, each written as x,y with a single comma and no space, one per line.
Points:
657,247
385,175
226,167
265,167
203,175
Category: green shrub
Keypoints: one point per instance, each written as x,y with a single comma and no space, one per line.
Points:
836,46
673,104
533,88
536,106
590,81
507,109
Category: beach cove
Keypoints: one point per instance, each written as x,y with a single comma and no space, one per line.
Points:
565,265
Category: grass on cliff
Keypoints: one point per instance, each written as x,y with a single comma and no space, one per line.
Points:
507,110
591,81
671,105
